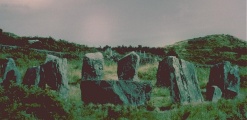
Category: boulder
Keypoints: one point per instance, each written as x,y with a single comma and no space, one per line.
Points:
181,77
226,77
115,92
54,74
32,76
93,65
213,94
128,66
9,72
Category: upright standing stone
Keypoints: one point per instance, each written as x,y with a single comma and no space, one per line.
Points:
54,74
226,77
163,74
32,76
9,72
127,67
180,75
93,65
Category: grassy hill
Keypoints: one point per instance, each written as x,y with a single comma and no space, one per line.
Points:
212,49
21,102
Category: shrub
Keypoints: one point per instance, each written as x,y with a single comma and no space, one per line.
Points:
21,102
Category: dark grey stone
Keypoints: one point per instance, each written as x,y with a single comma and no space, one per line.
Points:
93,65
213,93
181,77
32,76
115,92
9,72
226,77
54,74
128,67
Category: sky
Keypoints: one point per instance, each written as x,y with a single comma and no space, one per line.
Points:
154,23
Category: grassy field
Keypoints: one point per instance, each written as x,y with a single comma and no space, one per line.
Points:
15,104
21,102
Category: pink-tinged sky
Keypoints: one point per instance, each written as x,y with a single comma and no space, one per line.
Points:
124,22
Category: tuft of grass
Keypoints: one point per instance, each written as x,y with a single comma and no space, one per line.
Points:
110,71
74,71
148,71
203,76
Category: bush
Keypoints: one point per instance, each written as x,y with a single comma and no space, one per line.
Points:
21,102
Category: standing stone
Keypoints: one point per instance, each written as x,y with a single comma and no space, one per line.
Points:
127,67
181,76
163,74
214,93
32,76
93,65
54,74
9,72
115,92
226,77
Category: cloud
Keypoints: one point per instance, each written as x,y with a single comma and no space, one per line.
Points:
126,22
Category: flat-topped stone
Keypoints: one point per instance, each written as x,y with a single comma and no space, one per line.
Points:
115,92
93,65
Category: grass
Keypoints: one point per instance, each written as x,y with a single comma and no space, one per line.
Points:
21,102
148,71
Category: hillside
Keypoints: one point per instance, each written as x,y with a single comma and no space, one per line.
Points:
22,102
43,43
211,49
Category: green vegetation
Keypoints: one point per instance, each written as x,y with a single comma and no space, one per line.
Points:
212,49
22,102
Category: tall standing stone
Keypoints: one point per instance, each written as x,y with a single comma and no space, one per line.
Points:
32,76
93,65
128,66
9,72
54,74
226,77
181,76
163,74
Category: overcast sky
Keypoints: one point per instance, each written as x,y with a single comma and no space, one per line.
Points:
124,22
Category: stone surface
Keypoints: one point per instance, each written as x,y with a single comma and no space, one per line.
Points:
93,65
213,94
32,76
163,74
115,92
9,72
226,77
181,77
54,74
128,66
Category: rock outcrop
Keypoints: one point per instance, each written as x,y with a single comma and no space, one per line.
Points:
127,67
93,65
226,77
115,92
181,77
32,76
9,72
